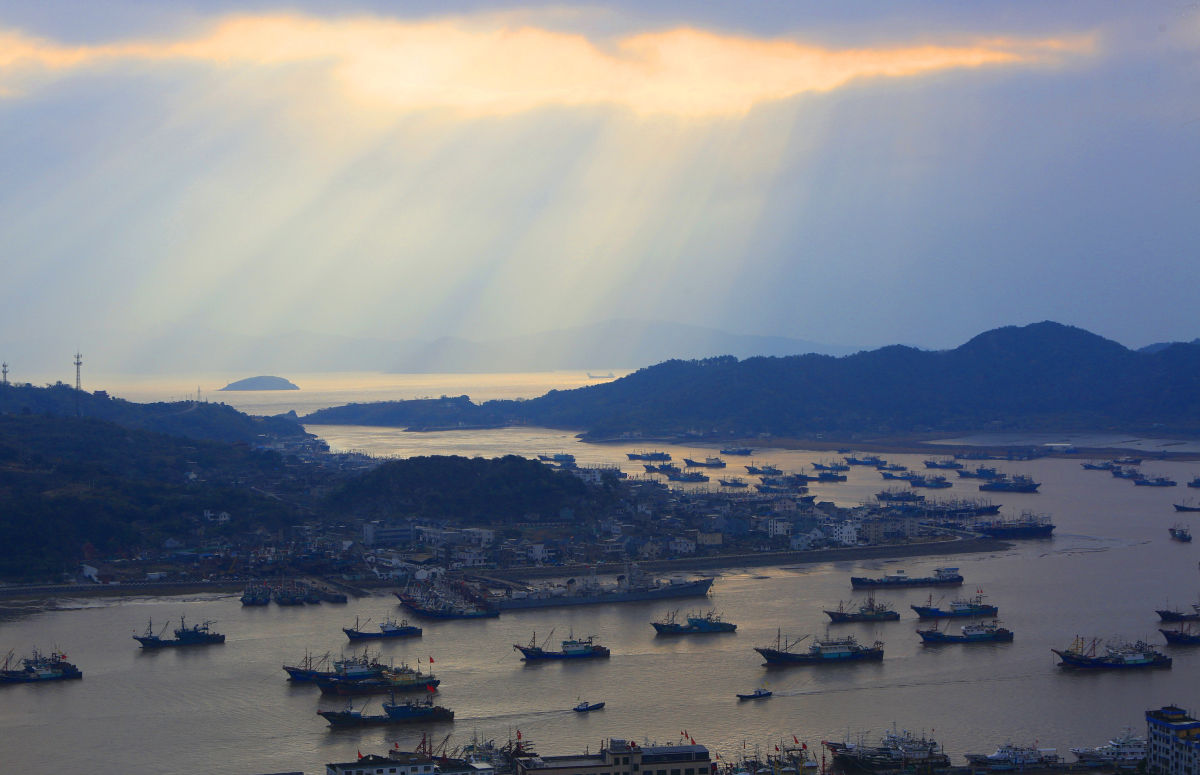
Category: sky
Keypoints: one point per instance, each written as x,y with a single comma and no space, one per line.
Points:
858,174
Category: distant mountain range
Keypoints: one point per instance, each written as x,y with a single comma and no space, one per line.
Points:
614,345
1044,376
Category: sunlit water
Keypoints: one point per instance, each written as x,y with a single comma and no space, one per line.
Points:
229,708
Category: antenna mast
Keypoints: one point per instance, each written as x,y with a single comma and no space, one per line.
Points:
78,384
4,368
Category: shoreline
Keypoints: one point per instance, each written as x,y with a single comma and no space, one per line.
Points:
45,592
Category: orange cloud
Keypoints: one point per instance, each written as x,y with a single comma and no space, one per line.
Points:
482,67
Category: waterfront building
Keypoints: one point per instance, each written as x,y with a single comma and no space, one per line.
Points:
623,757
1172,742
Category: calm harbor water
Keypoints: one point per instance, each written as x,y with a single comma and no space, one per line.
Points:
229,709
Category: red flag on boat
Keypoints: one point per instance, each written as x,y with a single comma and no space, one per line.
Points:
804,746
396,746
693,740
431,687
360,753
794,740
431,660
776,749
518,734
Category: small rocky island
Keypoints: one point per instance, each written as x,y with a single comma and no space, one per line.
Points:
261,383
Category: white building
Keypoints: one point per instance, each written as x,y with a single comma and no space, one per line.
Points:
1172,742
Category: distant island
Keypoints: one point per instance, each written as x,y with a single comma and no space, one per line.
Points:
261,383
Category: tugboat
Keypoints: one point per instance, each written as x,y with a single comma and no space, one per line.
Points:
758,694
870,611
1125,751
897,752
980,632
39,668
388,628
196,635
699,624
1012,757
940,577
572,648
822,652
1180,532
973,606
1116,656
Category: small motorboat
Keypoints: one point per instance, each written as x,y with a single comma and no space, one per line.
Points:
757,694
585,707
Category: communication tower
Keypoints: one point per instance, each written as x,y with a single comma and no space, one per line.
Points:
4,369
78,384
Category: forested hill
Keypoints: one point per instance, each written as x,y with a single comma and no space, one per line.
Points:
197,420
1044,376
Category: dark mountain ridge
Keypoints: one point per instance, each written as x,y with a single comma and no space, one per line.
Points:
1044,376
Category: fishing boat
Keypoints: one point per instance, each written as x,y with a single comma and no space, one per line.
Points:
765,469
312,668
896,752
979,472
821,652
1122,472
1125,751
898,578
1017,483
733,481
899,496
963,607
869,611
1155,481
758,694
708,462
1172,615
929,482
256,595
1106,465
1028,525
631,586
830,476
944,464
587,707
196,635
1116,656
697,624
572,648
436,601
1187,506
655,456
39,668
1013,757
1180,532
1195,482
388,628
688,476
979,632
390,680
864,460
394,713
1128,460
906,476
737,451
1184,636
885,466
830,465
